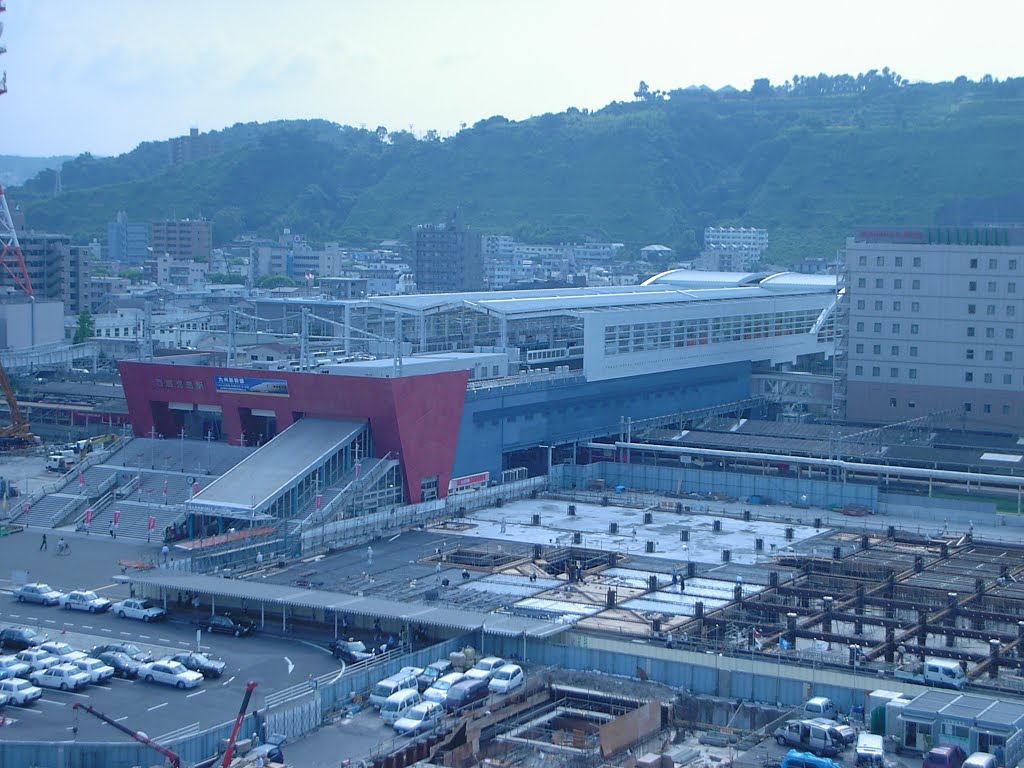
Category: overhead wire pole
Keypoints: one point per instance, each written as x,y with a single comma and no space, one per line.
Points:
394,343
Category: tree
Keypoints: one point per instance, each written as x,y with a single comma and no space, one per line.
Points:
762,87
134,274
643,93
275,281
382,134
86,327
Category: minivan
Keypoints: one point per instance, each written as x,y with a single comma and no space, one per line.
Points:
810,736
870,751
981,760
398,704
820,706
392,685
945,756
465,694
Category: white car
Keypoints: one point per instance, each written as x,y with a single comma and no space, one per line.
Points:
40,593
97,671
507,678
12,666
38,659
66,677
61,650
20,691
143,610
421,718
170,673
84,600
485,668
439,689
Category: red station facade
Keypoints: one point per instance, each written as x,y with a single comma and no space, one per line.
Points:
414,417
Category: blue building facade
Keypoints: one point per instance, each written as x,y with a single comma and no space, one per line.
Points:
498,420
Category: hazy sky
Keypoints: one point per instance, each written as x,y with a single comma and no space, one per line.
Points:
103,75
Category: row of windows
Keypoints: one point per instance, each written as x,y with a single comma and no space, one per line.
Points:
969,377
991,286
895,350
1005,408
993,263
990,310
915,329
639,337
897,306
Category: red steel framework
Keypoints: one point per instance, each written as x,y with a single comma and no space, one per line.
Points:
11,259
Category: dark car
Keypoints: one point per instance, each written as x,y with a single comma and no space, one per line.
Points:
20,638
132,651
227,626
432,673
350,651
200,662
944,757
465,694
124,665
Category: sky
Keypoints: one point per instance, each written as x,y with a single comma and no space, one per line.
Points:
104,75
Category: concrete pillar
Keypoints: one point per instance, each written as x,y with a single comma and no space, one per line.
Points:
993,654
890,644
791,629
826,622
922,629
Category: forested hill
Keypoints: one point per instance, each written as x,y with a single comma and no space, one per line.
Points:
808,160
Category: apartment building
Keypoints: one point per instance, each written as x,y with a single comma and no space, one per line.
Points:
57,269
447,257
186,239
936,323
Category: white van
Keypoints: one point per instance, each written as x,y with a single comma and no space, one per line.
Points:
389,686
870,751
820,706
980,760
397,705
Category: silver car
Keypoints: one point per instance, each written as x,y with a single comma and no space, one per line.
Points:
40,593
84,600
12,666
97,671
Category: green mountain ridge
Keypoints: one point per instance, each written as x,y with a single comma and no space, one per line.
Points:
808,160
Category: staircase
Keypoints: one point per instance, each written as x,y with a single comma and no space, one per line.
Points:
337,496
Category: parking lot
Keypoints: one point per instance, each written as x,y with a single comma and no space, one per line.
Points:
274,663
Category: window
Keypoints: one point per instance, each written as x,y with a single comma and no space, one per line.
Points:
1010,310
967,407
1007,378
917,261
1006,409
862,282
879,282
878,306
914,328
897,284
972,286
988,409
863,260
877,349
894,373
972,309
970,354
915,285
860,303
895,327
879,261
859,349
892,402
894,350
860,327
974,263
992,264
899,261
968,375
876,371
1009,333
991,286
915,306
1012,264
1007,357
988,354
970,330
897,306
990,333
913,351
987,378
990,309
859,370
877,327
912,374
1011,287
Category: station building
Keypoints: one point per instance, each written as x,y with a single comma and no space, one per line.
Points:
432,392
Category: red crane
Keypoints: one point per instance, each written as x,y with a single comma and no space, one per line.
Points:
139,736
229,752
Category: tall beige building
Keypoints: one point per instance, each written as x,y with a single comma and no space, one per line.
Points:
188,239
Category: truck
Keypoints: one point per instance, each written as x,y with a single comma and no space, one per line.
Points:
944,673
61,461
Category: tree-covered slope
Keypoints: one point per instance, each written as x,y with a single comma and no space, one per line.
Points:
808,160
